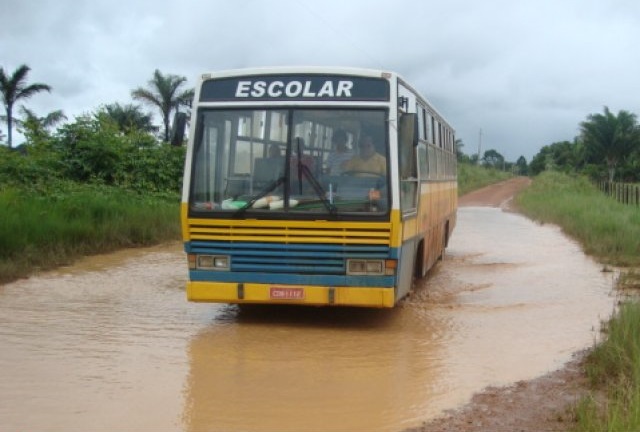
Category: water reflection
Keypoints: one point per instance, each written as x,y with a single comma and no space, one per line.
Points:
310,369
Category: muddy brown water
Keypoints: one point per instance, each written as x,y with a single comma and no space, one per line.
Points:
111,343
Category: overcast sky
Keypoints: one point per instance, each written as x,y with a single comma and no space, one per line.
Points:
526,73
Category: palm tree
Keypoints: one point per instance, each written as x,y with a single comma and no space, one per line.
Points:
48,121
38,126
610,137
164,92
129,117
13,88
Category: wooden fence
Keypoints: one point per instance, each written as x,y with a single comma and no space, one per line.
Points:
625,193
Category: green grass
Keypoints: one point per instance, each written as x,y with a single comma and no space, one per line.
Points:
472,177
42,229
609,231
614,365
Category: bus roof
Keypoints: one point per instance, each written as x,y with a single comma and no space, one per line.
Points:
334,70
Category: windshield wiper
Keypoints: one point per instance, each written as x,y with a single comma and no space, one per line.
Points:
267,190
317,187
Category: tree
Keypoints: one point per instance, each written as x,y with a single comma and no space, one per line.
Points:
610,138
493,158
128,117
37,128
14,88
460,156
521,165
31,120
164,92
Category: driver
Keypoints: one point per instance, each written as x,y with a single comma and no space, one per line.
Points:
368,160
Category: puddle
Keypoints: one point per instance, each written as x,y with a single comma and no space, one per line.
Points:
113,342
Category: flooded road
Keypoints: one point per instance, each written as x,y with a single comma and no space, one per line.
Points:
111,343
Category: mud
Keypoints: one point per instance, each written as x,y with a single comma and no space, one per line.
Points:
111,343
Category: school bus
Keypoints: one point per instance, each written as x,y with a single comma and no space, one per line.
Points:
314,186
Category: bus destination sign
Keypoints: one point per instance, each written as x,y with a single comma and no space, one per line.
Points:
295,87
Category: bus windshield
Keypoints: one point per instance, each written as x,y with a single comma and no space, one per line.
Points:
290,162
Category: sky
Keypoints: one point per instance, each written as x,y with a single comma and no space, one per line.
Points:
509,75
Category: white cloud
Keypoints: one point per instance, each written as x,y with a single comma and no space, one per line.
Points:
525,72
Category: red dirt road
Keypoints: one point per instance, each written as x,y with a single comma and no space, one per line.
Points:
496,195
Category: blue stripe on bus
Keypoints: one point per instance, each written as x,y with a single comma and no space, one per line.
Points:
292,279
293,259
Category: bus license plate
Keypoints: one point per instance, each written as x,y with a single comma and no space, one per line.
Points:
284,293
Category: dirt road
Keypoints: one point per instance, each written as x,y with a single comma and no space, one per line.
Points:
496,195
542,404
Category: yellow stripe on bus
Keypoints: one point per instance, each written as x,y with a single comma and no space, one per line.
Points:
228,292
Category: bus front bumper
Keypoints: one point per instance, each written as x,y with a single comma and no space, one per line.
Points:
232,292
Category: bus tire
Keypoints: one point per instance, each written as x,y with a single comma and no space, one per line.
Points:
418,265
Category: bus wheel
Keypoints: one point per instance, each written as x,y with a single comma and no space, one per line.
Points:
445,241
418,265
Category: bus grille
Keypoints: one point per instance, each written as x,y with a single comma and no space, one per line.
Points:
378,234
295,250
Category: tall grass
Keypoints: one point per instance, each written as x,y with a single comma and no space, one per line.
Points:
615,366
46,228
472,177
608,230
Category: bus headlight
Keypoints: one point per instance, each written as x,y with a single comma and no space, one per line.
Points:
212,262
365,267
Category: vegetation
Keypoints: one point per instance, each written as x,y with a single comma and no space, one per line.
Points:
615,366
610,138
608,148
607,229
164,92
53,225
492,159
471,177
14,88
128,117
611,232
100,182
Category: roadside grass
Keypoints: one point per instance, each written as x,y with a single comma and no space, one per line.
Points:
615,366
53,225
607,230
610,232
472,177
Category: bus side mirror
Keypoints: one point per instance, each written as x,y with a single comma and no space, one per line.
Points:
177,131
408,128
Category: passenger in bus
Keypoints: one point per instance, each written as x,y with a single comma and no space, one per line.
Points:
341,153
367,161
274,152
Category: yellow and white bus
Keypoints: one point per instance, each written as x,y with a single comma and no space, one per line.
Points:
272,213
